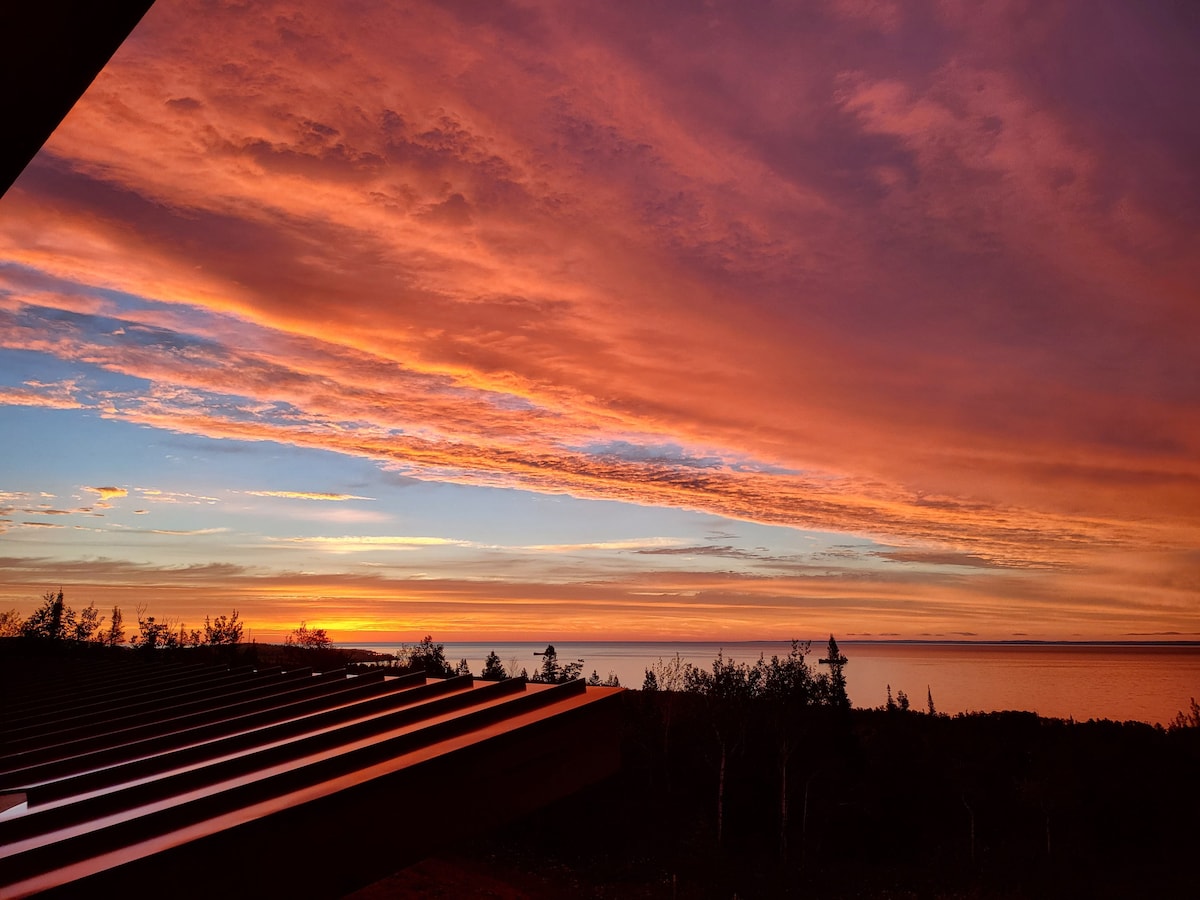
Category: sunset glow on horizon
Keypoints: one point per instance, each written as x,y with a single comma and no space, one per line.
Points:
597,321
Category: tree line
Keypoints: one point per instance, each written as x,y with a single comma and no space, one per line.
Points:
788,682
429,656
55,620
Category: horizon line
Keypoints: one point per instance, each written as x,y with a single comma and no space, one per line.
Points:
1186,642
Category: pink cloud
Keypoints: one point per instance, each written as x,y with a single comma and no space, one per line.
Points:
954,299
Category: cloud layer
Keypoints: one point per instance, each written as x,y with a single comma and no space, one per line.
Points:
923,274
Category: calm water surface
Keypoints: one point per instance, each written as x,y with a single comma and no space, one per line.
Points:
1150,683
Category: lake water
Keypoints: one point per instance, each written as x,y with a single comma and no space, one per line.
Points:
1146,682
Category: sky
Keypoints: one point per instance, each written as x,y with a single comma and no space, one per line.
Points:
552,321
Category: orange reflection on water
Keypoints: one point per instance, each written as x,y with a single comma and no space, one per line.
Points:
1146,683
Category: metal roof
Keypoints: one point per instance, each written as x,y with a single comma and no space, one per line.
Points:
248,781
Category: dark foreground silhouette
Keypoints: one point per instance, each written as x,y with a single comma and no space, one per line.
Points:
879,803
763,782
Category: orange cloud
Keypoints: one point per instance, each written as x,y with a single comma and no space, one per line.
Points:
661,605
108,493
945,299
37,396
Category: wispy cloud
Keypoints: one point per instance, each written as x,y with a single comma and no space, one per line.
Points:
702,550
306,495
637,545
361,543
665,604
937,558
57,397
154,495
185,532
